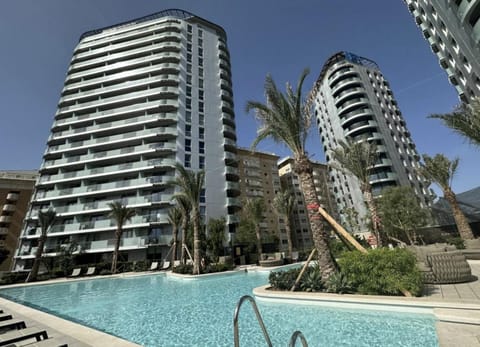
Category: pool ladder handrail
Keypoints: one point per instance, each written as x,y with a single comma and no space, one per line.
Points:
236,337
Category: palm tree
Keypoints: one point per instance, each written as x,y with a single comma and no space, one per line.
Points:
191,187
254,210
465,120
120,214
441,171
185,207
175,217
46,219
285,119
358,159
284,204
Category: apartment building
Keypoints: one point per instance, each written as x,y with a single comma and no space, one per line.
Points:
354,100
301,232
139,97
259,178
452,29
16,188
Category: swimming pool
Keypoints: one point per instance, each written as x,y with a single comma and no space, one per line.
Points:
159,310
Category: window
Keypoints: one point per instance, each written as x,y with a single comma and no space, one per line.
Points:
201,133
200,94
189,91
200,61
189,47
189,68
200,33
189,79
200,42
200,71
189,37
200,52
201,162
189,28
200,106
188,116
201,119
188,159
201,147
188,103
202,196
188,130
189,57
188,145
200,82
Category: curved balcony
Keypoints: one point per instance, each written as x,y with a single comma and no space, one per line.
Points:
360,126
232,219
343,73
228,119
383,163
229,143
233,186
5,219
351,104
121,98
231,172
344,83
160,26
345,94
122,75
123,55
230,156
229,131
355,115
120,86
234,202
465,10
123,46
382,177
13,196
9,208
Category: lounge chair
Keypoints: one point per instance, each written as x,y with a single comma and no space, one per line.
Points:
5,316
14,336
295,256
76,272
165,265
90,271
12,324
189,262
154,266
176,263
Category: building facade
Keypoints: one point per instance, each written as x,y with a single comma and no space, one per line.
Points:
301,232
259,178
354,100
138,98
16,189
452,28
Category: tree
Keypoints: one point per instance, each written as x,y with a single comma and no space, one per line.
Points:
464,120
175,218
401,213
191,187
46,219
120,214
216,236
284,204
286,118
184,205
358,159
441,170
254,210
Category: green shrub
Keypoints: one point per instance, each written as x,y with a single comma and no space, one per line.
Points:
456,241
218,267
339,283
183,269
140,266
105,272
382,272
312,280
13,277
283,280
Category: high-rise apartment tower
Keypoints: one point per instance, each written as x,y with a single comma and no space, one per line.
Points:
452,28
353,100
139,97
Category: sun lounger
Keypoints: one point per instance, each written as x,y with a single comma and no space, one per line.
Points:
21,335
166,265
12,324
5,316
76,272
154,266
90,271
48,343
295,256
189,262
176,263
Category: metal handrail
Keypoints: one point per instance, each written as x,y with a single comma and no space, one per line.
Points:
293,339
236,337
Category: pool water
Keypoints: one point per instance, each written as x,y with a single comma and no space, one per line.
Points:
160,310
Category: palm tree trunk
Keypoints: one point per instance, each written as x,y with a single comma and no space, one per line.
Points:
174,245
196,242
372,207
460,220
118,236
32,276
288,230
320,238
184,236
259,242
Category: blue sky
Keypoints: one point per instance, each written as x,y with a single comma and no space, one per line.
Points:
280,37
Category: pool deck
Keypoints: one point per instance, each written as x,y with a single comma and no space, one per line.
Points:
456,307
